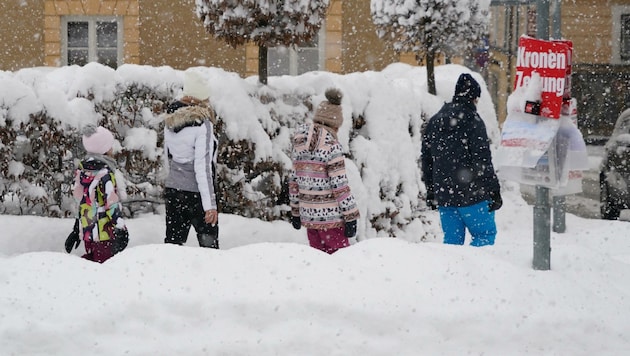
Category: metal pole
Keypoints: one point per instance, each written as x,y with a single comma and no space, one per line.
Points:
542,234
559,213
558,202
542,19
542,218
556,20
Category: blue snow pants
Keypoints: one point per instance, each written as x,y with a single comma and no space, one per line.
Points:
479,221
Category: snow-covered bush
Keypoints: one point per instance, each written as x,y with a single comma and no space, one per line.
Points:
43,109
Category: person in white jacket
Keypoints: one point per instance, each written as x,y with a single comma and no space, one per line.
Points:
190,146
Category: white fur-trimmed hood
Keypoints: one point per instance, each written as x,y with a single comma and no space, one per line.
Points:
188,116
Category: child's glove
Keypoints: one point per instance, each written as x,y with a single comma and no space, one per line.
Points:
296,222
121,239
350,229
73,238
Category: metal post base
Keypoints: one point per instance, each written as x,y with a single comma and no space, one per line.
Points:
542,233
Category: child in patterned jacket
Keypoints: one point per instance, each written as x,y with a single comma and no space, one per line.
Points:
320,197
100,223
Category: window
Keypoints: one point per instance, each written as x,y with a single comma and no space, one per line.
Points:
621,34
92,39
304,58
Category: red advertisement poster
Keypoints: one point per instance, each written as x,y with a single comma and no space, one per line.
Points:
552,61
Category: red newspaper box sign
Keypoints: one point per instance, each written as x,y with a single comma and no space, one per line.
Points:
552,61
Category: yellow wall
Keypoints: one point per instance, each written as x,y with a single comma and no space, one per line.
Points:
172,34
589,25
500,83
21,31
362,50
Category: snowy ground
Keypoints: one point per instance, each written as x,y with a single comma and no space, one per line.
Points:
267,293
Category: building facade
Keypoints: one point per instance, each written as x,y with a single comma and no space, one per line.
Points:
166,32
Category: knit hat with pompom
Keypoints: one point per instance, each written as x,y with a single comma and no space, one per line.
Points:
329,112
97,140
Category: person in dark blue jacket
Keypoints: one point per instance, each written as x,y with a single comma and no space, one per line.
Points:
457,168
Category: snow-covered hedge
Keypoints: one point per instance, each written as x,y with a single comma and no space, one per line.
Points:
43,109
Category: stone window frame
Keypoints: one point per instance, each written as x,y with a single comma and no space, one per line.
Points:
293,54
92,20
618,12
128,10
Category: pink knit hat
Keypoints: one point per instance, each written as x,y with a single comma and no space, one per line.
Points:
97,140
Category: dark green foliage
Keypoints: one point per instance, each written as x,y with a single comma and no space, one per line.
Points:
49,150
35,162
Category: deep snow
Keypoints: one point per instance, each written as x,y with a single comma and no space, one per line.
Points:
266,292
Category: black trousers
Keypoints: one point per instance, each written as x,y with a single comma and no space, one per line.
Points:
184,209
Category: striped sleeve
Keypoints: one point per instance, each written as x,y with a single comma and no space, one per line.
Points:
340,185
